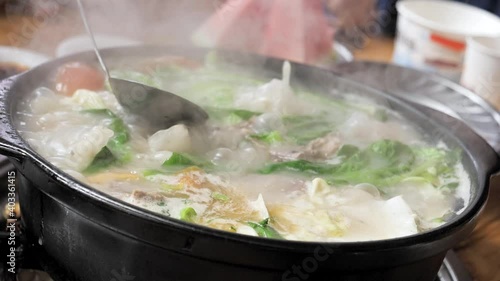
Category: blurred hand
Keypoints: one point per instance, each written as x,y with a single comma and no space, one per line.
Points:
351,13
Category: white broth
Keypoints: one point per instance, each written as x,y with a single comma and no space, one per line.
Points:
272,161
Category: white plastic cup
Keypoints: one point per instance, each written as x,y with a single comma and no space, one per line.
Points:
432,34
482,68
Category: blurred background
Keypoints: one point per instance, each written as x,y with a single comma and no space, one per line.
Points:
366,27
42,25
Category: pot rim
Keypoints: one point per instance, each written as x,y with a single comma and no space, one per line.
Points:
96,197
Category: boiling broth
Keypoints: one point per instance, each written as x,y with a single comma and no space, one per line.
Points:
272,161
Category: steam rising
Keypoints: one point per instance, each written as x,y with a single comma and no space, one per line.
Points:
290,30
293,30
152,22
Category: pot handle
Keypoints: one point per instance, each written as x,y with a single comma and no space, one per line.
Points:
11,144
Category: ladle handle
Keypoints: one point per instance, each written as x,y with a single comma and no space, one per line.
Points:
92,38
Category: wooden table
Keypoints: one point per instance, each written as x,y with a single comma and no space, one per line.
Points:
376,49
480,253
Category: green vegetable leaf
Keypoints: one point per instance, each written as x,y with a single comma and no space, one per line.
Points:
270,138
179,159
101,161
375,164
382,163
432,164
263,229
188,214
451,185
151,172
220,196
298,166
347,151
230,115
116,124
116,150
244,114
439,220
303,129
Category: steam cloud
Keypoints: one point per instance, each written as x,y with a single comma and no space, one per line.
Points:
42,24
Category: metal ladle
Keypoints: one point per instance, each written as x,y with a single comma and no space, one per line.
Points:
160,108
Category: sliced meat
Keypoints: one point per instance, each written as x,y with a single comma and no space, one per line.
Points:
318,149
286,154
322,148
149,196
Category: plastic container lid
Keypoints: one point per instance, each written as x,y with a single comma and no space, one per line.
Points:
451,17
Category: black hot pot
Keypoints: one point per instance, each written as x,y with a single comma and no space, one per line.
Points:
92,236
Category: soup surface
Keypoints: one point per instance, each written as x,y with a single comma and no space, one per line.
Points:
272,161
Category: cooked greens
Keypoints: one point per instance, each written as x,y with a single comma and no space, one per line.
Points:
264,230
383,163
182,161
188,214
303,129
272,161
270,138
116,150
230,116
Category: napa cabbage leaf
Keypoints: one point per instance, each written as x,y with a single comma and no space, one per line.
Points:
382,163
